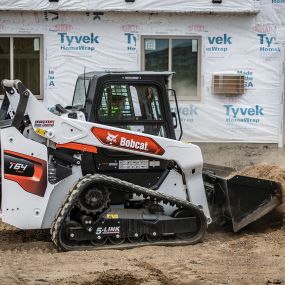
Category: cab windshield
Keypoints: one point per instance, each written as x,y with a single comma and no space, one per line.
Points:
132,106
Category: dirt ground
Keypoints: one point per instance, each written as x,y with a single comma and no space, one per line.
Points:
254,256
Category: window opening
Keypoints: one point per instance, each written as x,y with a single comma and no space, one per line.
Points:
175,54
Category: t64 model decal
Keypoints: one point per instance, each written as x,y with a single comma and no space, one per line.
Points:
28,171
127,141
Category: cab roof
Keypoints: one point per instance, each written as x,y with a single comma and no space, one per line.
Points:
98,74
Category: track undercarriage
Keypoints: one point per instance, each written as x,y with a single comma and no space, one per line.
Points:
88,221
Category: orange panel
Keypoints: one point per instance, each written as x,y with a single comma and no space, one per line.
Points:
78,146
127,141
36,184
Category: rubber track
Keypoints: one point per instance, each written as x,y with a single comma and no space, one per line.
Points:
129,188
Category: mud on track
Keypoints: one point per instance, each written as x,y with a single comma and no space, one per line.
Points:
254,256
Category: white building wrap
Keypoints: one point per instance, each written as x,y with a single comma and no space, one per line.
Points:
241,6
243,37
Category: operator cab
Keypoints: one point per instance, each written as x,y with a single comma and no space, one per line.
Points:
136,101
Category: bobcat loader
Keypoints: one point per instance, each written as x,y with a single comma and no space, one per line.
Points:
108,172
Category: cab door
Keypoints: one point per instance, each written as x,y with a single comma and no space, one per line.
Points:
136,107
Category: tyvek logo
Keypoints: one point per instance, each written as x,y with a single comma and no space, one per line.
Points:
250,115
132,42
78,43
187,113
219,43
267,44
278,1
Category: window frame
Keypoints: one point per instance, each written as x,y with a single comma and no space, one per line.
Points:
12,36
199,57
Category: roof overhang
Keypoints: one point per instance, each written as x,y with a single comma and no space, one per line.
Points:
143,6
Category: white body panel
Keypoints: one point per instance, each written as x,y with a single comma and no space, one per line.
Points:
19,207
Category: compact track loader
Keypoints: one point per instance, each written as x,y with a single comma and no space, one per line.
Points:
108,172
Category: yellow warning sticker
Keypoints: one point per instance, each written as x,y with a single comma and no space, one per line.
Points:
112,216
40,132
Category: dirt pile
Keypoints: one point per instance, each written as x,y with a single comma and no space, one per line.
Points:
109,277
14,239
147,275
115,278
270,172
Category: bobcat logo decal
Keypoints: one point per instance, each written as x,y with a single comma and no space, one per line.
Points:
111,138
129,141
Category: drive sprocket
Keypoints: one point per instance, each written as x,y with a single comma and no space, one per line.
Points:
93,200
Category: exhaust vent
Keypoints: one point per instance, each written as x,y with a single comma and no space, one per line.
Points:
228,84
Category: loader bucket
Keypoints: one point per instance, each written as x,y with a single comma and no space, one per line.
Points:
240,199
249,199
